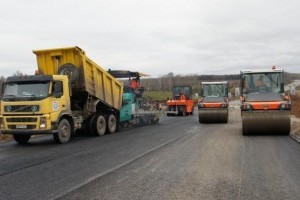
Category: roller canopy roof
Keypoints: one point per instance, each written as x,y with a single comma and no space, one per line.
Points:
125,74
253,71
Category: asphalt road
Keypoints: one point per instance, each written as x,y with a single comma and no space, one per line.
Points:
175,159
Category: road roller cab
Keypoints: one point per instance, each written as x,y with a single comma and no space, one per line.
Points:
213,103
265,108
182,102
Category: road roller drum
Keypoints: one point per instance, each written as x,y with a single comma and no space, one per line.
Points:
213,115
266,122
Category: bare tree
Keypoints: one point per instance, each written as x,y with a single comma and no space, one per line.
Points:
18,73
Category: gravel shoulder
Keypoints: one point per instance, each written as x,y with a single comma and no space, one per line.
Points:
295,128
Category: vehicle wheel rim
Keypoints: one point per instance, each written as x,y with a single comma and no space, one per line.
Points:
100,125
112,123
64,131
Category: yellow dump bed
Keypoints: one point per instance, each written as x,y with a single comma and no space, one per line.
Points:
91,77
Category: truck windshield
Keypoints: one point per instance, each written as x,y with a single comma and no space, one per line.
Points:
25,91
262,83
214,90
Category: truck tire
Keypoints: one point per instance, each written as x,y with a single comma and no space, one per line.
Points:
90,127
22,139
111,123
64,132
70,70
99,125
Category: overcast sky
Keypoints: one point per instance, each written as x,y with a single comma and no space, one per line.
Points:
155,36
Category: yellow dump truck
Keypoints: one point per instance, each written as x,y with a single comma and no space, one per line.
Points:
70,92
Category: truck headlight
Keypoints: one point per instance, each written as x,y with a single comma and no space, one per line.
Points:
43,122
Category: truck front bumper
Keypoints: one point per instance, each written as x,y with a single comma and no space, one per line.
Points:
28,132
27,125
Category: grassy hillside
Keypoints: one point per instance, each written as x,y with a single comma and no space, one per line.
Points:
157,95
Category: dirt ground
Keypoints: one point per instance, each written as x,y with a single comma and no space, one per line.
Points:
295,120
295,128
296,104
5,137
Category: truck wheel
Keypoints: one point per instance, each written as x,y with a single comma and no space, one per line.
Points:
90,127
99,125
111,123
64,132
22,139
70,70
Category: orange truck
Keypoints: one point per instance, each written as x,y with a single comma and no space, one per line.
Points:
213,104
265,108
182,102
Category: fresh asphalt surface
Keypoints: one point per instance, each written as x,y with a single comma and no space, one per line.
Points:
175,159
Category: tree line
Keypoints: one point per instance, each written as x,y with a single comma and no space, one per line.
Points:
165,83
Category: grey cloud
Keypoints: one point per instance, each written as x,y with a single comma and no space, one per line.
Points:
156,37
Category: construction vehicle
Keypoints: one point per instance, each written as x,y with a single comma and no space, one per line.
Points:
132,112
213,102
69,92
182,102
265,108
